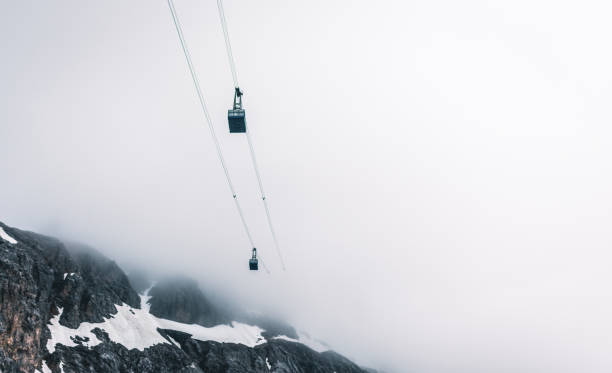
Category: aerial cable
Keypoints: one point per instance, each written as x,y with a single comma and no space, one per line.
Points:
228,45
263,198
196,83
230,57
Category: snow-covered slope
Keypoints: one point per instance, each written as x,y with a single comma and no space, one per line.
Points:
138,328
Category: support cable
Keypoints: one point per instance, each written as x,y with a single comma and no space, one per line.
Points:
263,198
228,45
196,83
230,57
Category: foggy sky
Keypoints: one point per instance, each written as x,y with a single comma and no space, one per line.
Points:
438,171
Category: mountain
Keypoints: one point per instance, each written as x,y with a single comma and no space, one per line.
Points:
66,308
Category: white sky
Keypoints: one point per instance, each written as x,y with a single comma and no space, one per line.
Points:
439,171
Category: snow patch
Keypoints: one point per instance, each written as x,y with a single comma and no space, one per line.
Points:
45,368
65,336
68,274
268,364
174,341
133,330
239,333
306,340
6,237
137,329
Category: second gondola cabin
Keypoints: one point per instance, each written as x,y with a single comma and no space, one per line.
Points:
253,262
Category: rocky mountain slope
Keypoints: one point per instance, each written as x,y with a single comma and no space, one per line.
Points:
73,310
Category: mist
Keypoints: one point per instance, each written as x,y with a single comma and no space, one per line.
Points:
438,171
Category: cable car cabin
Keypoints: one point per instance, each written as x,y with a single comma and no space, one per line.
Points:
235,116
253,262
236,121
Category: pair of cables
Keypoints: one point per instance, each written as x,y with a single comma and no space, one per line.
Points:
208,119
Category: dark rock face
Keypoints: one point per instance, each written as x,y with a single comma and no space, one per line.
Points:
191,355
112,357
282,356
181,300
28,292
93,291
39,275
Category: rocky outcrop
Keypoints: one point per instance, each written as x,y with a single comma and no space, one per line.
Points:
38,274
91,292
29,287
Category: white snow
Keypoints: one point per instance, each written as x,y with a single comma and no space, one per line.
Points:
247,335
307,340
62,335
68,274
6,237
268,364
137,328
174,341
45,368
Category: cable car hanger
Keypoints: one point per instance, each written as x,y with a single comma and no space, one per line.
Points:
196,84
237,124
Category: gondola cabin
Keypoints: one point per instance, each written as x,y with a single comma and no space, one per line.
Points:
235,116
253,265
253,262
236,121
